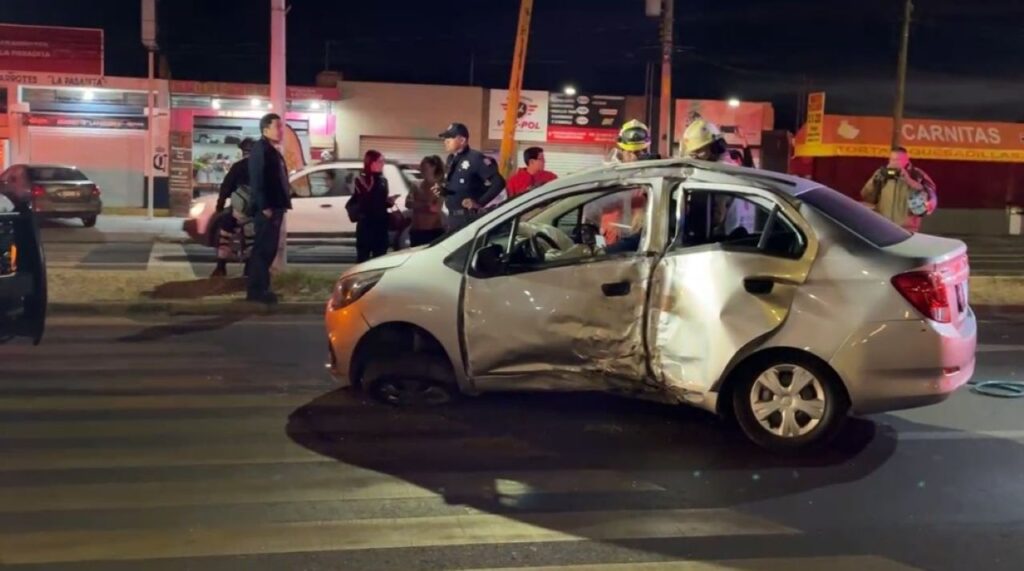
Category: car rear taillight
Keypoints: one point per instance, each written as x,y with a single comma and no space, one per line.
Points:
94,191
927,293
38,191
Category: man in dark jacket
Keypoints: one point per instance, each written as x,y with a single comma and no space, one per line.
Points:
473,179
271,198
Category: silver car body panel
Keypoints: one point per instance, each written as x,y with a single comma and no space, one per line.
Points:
553,329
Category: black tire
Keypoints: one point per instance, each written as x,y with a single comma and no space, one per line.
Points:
411,380
825,385
89,221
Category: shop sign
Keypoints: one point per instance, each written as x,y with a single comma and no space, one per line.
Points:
180,163
84,122
531,116
51,49
225,89
815,117
850,136
585,118
52,79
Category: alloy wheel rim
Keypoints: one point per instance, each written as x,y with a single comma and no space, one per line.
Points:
788,401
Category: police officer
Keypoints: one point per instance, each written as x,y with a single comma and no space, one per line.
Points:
634,143
472,178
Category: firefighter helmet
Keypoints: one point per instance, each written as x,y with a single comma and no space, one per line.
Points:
699,134
634,136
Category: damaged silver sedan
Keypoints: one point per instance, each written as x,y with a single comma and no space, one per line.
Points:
766,298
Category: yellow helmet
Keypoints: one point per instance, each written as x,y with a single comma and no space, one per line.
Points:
634,136
698,135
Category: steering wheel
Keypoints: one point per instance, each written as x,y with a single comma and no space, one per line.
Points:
532,249
586,233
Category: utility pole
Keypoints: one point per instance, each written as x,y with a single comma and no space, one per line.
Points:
515,85
901,75
664,9
149,32
278,99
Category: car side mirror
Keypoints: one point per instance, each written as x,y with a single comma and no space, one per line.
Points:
489,261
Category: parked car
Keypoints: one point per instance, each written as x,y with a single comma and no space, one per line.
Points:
758,296
318,203
55,191
22,273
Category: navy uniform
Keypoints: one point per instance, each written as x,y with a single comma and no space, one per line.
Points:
470,175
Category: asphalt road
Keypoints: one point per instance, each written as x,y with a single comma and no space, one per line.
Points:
220,443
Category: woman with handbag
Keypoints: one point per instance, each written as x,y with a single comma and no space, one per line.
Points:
372,202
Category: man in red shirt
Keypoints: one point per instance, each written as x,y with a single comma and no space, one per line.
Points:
531,176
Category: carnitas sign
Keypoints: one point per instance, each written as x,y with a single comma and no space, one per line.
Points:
51,49
850,136
531,115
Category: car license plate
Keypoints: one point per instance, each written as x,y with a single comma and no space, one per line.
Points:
68,194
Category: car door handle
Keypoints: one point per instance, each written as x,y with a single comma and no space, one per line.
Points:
326,206
616,289
758,286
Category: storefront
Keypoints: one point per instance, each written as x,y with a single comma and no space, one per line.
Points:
978,167
96,124
210,120
5,135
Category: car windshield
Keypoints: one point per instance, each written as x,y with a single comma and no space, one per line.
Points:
50,174
855,217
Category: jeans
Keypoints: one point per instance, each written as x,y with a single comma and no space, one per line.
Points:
264,250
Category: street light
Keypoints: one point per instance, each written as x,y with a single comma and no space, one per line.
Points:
215,104
254,102
88,95
569,90
734,102
314,105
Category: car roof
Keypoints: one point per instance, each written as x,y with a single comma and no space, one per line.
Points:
696,171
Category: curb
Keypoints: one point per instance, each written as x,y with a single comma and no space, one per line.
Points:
239,307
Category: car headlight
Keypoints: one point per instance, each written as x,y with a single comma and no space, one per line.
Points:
196,210
350,288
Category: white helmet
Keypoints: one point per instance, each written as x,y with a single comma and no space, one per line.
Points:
326,155
699,134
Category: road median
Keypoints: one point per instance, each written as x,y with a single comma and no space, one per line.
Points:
178,292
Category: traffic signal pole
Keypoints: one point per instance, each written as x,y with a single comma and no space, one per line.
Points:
515,86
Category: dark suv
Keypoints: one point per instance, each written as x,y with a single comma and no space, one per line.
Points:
22,273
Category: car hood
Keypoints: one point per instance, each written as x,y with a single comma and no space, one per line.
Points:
385,262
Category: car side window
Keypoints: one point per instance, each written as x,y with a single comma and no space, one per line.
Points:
737,222
337,182
572,229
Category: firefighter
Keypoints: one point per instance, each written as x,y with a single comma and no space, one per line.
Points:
704,141
634,143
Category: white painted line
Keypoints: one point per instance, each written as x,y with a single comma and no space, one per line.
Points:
163,256
385,533
955,434
994,348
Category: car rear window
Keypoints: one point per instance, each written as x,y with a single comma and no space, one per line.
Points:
62,174
855,217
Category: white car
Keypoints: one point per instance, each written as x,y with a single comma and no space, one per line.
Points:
318,202
751,294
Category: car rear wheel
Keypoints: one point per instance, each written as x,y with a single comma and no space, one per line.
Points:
788,404
89,221
410,380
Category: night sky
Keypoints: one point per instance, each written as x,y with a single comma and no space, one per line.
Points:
964,58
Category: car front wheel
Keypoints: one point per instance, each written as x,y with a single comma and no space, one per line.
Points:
789,404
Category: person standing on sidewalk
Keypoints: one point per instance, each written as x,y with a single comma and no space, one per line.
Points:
532,175
425,203
271,198
901,192
472,179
